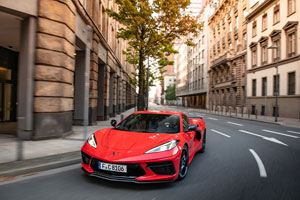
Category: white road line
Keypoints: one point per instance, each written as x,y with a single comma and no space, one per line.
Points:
212,118
293,132
292,136
263,137
261,167
235,123
220,133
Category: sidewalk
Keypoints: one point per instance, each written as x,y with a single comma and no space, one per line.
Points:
39,154
291,122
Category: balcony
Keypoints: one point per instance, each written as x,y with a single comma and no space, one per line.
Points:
219,60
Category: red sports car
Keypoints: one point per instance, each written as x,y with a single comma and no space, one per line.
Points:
145,147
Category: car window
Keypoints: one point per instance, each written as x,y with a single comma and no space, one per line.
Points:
150,123
185,123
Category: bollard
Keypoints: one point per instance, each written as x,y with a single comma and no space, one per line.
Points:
255,113
242,112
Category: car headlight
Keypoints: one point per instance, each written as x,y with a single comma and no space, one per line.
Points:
92,141
164,147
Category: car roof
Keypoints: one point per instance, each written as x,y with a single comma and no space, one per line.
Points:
159,112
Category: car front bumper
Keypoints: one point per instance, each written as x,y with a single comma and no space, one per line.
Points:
147,171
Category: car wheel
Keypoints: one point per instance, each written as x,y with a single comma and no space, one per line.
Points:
184,163
202,150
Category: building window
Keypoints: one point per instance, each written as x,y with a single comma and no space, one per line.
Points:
276,85
291,44
264,53
291,83
276,52
244,41
291,6
237,22
253,110
264,86
254,57
263,108
254,29
264,22
254,87
276,16
244,13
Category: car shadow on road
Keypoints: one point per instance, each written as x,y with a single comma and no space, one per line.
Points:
129,186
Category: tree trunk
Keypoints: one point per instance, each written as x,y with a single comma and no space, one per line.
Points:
141,82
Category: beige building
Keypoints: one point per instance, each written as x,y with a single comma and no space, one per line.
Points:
273,23
227,57
181,62
192,86
60,64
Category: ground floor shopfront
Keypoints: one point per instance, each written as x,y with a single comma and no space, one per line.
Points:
195,101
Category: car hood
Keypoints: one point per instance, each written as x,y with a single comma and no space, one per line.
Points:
125,140
115,145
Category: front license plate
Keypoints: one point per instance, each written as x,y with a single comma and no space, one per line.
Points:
112,167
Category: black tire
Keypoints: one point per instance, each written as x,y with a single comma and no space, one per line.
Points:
184,163
202,150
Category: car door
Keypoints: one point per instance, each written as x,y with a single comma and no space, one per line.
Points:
189,135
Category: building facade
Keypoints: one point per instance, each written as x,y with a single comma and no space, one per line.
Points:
60,65
194,90
181,62
227,57
273,72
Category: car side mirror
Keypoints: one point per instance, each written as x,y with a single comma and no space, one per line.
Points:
113,122
193,127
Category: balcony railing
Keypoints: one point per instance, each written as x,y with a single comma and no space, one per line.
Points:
220,59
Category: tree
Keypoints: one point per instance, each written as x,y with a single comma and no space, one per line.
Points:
170,92
150,27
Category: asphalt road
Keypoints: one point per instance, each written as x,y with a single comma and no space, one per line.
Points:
243,160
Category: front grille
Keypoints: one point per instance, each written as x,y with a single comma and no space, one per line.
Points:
85,158
133,169
162,168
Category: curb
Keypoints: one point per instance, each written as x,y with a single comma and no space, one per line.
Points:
17,168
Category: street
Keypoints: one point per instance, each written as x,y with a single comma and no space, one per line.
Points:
243,160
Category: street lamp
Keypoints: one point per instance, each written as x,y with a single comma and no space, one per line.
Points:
276,84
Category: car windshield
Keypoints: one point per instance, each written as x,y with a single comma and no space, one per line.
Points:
150,123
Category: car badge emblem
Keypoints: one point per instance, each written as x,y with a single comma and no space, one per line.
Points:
115,153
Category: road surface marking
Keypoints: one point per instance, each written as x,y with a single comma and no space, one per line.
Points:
261,167
235,123
220,133
265,138
212,118
292,136
293,132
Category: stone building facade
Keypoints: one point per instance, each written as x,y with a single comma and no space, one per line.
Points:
61,65
181,61
227,57
273,23
193,91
